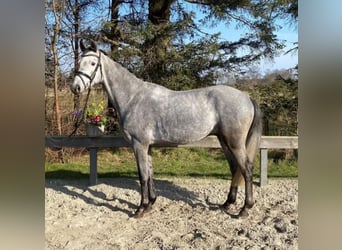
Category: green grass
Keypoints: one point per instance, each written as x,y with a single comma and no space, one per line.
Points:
179,162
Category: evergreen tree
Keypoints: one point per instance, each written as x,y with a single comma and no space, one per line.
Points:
163,42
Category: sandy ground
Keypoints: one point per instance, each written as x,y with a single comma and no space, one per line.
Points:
185,216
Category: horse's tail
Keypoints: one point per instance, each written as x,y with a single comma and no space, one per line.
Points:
252,141
254,133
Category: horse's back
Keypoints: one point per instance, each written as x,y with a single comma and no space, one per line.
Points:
230,102
228,94
166,116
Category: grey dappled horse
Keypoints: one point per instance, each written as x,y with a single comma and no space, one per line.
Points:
151,114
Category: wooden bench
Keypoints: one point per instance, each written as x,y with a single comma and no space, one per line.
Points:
110,141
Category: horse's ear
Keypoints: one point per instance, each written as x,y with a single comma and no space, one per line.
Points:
93,46
82,46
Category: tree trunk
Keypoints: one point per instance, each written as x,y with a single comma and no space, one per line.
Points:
77,20
159,11
114,24
56,31
114,37
156,47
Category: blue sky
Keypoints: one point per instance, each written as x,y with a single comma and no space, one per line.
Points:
287,33
282,61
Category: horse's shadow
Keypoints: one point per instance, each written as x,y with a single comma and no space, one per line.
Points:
164,188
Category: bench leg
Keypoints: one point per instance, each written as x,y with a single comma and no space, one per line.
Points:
93,166
263,167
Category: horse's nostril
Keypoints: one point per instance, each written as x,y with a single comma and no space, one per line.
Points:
76,89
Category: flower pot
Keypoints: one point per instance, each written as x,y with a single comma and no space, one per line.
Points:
95,130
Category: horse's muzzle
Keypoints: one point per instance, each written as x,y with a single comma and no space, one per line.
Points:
76,89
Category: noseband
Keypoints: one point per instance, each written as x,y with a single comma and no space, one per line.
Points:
92,76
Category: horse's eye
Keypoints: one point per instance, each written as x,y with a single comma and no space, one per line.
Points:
93,64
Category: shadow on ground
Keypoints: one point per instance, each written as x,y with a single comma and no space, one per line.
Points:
78,184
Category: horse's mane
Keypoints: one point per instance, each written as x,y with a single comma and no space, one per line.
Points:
104,52
101,50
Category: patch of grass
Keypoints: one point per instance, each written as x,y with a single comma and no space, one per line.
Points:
190,162
282,168
180,162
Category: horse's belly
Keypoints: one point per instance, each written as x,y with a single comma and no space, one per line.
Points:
183,132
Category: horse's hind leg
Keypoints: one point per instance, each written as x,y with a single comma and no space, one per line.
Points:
246,168
241,169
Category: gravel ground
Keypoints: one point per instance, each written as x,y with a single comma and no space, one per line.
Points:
185,216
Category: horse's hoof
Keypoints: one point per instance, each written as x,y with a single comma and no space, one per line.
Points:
153,200
225,206
243,213
139,213
142,210
148,208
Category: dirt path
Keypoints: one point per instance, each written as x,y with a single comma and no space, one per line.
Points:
185,216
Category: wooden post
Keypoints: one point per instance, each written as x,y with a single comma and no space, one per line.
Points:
93,166
263,167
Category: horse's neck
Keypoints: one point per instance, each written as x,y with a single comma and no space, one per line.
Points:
120,84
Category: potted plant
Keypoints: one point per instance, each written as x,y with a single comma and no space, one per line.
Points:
95,119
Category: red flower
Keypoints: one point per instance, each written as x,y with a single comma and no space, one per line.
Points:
96,119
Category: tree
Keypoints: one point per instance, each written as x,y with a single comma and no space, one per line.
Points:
63,27
170,48
258,18
277,95
73,23
57,9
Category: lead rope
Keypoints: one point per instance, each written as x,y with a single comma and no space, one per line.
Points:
78,120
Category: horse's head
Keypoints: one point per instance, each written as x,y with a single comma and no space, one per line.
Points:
90,71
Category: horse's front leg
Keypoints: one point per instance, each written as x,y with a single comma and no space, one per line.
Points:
143,164
151,189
